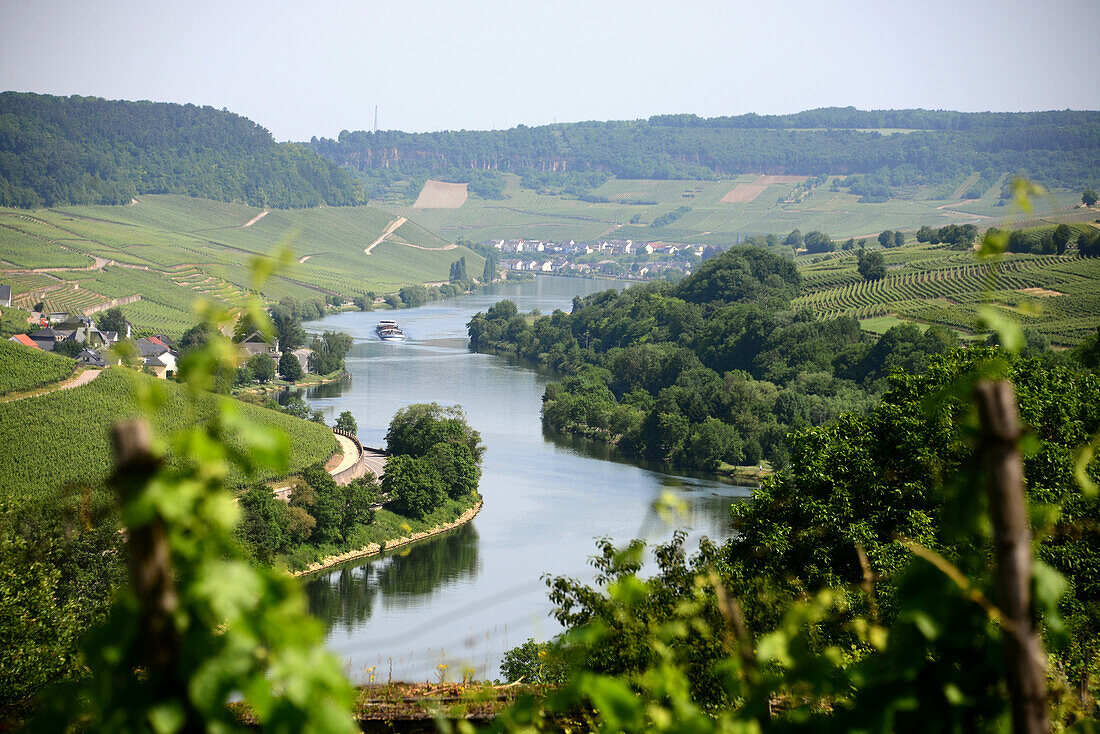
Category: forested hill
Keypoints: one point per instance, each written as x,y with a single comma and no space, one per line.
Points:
87,150
1057,149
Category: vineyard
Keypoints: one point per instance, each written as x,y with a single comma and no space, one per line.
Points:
1056,295
25,368
75,424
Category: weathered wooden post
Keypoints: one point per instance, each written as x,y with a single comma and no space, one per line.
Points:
1003,467
151,573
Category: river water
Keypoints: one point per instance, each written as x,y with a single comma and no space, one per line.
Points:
462,598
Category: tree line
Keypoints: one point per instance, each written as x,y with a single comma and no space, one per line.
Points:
87,150
1057,149
716,369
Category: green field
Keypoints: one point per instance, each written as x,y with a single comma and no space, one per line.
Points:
172,250
527,214
25,368
69,433
1056,295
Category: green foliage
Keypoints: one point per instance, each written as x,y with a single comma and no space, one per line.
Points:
415,429
457,465
857,593
1088,198
75,423
25,368
871,265
414,485
86,150
948,145
199,627
346,422
329,351
718,381
533,662
112,320
290,368
262,367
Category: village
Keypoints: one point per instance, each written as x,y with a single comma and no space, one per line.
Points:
76,335
617,258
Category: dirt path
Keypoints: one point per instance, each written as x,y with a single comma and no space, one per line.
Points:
390,228
82,378
255,219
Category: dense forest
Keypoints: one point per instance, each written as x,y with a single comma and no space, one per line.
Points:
87,150
716,369
1056,149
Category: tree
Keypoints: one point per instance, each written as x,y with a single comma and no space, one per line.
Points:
262,366
886,239
1088,198
458,270
872,265
68,347
416,428
362,303
346,422
243,377
112,320
1062,235
413,485
794,239
289,367
296,407
489,273
818,242
458,467
899,238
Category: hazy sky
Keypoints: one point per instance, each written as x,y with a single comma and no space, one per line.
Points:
316,68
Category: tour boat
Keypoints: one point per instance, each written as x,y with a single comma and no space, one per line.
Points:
388,331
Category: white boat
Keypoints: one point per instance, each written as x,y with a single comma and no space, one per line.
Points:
388,331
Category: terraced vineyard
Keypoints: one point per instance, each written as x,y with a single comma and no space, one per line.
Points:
172,250
1057,295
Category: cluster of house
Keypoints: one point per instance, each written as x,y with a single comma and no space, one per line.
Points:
559,257
158,352
255,343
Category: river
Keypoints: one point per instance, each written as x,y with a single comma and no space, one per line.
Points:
462,598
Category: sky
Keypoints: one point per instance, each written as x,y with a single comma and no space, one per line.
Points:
315,68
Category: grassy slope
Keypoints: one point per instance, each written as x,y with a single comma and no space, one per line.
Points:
59,443
25,368
185,248
528,214
930,284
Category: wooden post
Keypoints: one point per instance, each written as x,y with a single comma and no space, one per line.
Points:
1003,466
151,573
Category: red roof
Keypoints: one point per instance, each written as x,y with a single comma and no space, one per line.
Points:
24,339
156,341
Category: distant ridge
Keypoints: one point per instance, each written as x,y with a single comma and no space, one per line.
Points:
87,150
1060,149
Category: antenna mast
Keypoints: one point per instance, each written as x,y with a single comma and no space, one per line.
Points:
376,118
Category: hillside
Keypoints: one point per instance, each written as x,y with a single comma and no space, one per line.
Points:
882,150
87,150
77,422
160,254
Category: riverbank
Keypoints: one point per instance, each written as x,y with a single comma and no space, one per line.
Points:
279,384
373,549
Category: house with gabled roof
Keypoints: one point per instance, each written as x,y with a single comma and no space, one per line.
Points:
25,341
256,343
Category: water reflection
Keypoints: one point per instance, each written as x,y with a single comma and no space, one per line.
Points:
347,595
476,591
